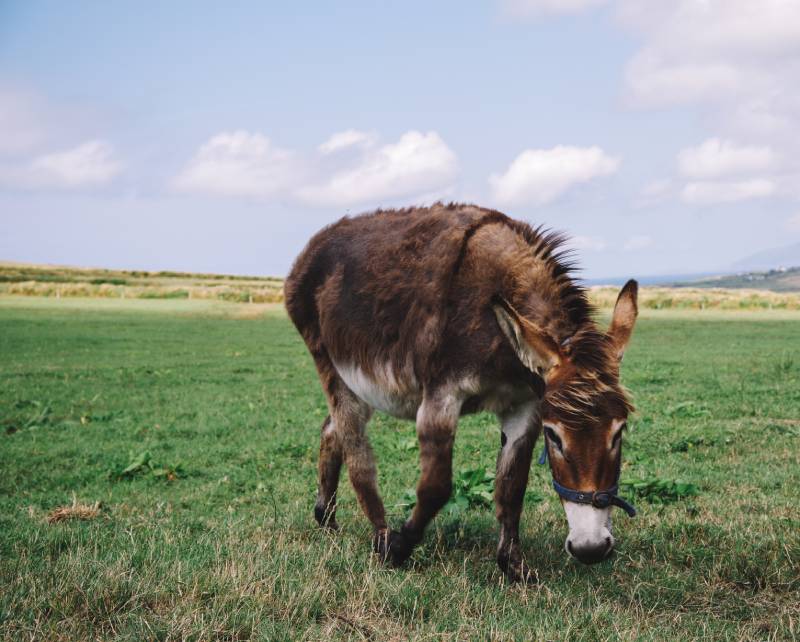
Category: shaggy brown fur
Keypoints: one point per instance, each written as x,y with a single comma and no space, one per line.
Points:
408,300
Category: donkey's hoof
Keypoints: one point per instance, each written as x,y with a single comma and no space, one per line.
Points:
391,547
515,569
325,518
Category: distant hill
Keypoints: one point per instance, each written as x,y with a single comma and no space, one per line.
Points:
776,280
665,280
772,259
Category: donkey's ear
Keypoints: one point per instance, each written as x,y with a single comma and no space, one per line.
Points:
536,349
624,317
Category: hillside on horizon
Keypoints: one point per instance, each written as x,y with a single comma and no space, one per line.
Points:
775,280
786,256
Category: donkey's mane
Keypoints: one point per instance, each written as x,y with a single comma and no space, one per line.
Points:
596,378
595,384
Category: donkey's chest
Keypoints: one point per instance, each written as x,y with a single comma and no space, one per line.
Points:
395,393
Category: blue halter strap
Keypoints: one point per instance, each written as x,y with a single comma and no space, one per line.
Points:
597,498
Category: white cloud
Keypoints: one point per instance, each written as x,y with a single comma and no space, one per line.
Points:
737,56
655,81
539,176
739,62
711,192
590,243
238,163
766,28
793,223
544,7
245,164
90,164
638,242
346,139
416,164
715,158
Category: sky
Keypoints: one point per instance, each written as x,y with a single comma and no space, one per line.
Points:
663,137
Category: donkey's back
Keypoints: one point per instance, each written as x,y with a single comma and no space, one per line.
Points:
376,281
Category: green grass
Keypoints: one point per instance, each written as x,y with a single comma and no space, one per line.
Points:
209,534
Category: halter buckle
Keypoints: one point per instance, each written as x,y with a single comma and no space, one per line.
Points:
601,499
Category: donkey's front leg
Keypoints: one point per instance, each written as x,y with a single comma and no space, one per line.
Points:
437,418
520,426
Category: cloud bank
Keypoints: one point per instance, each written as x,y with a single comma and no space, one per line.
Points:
714,192
416,164
237,163
90,164
738,56
715,158
540,176
245,164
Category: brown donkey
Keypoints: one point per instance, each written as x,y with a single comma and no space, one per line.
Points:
432,313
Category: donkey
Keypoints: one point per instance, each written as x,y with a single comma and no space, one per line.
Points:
433,313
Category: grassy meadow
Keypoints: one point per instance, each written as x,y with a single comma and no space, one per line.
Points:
159,471
23,279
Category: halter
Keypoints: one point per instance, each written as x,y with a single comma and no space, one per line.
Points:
597,498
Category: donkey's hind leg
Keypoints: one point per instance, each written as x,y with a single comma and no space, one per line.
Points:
330,465
350,416
344,439
330,445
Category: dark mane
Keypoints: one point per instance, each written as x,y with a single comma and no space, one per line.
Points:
594,386
595,383
547,245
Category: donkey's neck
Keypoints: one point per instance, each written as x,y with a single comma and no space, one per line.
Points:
532,271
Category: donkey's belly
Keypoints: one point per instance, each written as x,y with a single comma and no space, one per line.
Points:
384,390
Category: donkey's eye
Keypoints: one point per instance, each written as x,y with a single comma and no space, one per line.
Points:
553,438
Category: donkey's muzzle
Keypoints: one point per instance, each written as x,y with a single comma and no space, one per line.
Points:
590,552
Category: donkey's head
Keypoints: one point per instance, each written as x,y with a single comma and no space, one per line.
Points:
584,414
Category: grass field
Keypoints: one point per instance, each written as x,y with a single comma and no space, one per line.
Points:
159,470
25,279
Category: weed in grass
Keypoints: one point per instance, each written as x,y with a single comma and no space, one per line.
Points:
659,491
33,414
688,443
408,444
472,488
688,410
142,464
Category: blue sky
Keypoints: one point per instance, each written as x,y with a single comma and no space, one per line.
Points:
198,136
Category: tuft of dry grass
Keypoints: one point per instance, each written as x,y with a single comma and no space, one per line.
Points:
76,510
663,298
